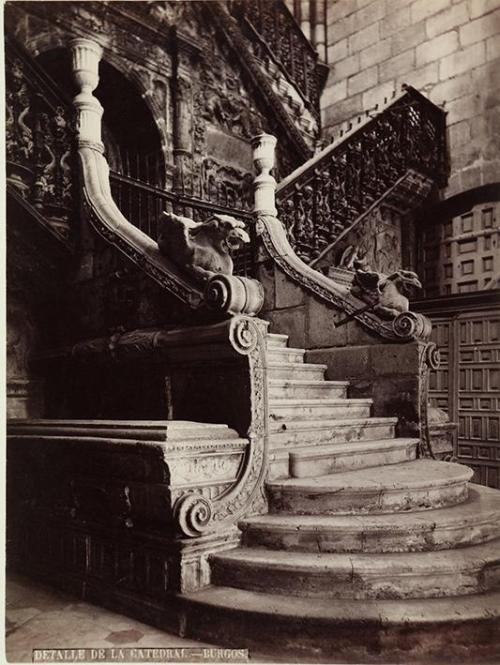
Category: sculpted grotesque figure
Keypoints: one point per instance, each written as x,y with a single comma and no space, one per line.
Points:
201,248
388,293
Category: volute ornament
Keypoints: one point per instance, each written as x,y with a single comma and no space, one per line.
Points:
193,514
412,325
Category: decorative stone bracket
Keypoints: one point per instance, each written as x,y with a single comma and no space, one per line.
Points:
407,326
227,294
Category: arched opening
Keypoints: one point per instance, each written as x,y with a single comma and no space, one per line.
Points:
131,139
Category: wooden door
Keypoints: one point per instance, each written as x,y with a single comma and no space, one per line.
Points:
467,384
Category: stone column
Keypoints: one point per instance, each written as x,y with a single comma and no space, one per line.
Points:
182,131
186,53
264,184
86,55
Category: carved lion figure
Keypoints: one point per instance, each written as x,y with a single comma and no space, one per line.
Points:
388,293
201,248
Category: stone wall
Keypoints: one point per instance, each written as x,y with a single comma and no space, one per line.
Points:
449,50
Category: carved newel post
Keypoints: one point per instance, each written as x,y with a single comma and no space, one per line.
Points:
264,183
86,55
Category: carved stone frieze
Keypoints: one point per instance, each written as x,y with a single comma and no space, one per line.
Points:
376,241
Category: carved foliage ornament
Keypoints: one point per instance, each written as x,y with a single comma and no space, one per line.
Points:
39,137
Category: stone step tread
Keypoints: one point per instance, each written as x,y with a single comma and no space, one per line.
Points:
276,336
200,441
385,612
308,383
482,505
329,450
140,424
288,365
286,349
324,424
408,475
334,401
160,431
457,560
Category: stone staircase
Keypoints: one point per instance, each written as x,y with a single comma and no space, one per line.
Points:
315,428
368,553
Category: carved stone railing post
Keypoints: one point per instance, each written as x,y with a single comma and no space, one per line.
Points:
264,183
86,55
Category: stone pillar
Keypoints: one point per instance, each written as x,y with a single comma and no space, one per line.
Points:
86,55
182,131
264,183
186,52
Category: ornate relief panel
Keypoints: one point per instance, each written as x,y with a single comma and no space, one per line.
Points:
376,241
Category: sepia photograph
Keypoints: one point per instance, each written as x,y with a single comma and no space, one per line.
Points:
252,331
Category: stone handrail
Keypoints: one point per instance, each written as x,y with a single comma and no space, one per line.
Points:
406,326
227,294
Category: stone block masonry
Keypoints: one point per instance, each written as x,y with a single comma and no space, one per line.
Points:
447,49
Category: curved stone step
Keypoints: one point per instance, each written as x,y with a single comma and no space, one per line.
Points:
344,631
296,389
309,371
313,461
475,521
300,432
302,409
418,485
463,571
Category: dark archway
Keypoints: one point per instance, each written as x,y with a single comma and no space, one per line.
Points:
131,138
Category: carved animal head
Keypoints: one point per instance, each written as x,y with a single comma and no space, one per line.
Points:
229,232
405,281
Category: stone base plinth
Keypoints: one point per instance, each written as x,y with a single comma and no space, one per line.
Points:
99,507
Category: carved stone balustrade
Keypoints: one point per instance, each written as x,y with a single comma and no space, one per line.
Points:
279,37
394,157
39,141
